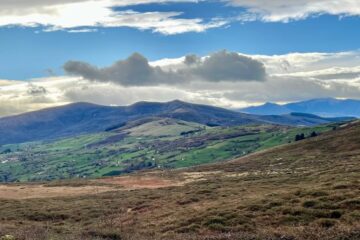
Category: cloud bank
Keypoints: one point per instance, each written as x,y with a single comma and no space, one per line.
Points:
55,15
65,15
215,79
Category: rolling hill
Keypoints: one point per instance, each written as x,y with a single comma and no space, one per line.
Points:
86,118
325,107
146,143
81,118
303,119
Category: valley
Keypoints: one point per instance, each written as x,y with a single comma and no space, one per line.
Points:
150,143
179,120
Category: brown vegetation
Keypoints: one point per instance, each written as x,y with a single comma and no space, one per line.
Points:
306,190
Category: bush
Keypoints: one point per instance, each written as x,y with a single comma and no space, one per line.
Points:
335,214
214,220
309,204
7,237
326,223
217,227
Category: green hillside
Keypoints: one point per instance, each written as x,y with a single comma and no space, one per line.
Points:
154,143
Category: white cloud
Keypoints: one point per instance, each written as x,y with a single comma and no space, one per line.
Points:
290,10
69,15
290,77
83,30
87,15
302,62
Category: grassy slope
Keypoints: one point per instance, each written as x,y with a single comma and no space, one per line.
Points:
305,190
156,143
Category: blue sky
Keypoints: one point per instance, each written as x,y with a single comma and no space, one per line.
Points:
27,52
229,53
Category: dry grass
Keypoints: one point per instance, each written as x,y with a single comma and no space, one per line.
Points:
40,191
308,190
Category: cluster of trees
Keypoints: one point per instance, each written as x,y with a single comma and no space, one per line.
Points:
133,167
6,151
302,136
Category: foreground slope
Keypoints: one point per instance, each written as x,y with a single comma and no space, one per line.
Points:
305,190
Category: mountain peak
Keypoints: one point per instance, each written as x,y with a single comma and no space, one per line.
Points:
270,104
177,101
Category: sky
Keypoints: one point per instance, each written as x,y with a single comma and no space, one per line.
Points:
228,53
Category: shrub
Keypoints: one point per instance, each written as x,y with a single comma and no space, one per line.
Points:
326,223
214,220
217,227
335,214
309,204
7,237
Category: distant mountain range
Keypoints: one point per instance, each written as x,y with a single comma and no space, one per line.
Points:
325,107
84,118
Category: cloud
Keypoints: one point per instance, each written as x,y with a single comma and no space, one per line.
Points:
24,5
289,77
285,10
133,71
137,71
35,90
227,66
83,30
279,89
307,62
23,96
65,15
332,73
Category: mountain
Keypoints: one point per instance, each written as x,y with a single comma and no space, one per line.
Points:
85,118
326,107
81,118
302,119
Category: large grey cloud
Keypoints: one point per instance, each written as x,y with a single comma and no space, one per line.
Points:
221,66
228,66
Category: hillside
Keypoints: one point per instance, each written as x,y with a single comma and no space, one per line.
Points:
84,118
325,107
303,191
146,143
81,118
303,119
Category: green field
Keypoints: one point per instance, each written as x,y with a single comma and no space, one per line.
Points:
164,143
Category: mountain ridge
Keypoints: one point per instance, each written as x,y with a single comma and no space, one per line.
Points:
325,107
83,118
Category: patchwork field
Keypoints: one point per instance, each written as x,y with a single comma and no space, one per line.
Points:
145,144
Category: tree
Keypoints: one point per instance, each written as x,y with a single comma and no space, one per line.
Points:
313,134
299,137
